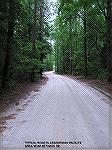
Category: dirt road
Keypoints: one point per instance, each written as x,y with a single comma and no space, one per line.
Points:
63,111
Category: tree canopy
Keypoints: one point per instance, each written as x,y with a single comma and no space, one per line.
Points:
24,40
81,36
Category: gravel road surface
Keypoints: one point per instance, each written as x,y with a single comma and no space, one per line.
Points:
64,112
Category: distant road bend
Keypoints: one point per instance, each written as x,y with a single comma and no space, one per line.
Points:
63,110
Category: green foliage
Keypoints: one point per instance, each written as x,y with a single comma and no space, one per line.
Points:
70,34
49,62
25,61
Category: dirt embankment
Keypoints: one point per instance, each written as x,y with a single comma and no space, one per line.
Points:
12,96
103,86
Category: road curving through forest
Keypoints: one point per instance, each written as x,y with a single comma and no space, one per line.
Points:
63,111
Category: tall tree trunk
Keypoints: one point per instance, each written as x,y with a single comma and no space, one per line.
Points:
85,43
34,39
41,31
109,38
76,45
29,22
3,36
9,40
34,29
70,46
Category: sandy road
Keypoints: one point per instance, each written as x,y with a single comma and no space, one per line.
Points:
63,110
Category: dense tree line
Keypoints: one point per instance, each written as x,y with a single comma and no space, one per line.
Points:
83,38
82,35
23,40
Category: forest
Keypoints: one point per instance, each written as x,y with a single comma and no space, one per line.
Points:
83,38
78,42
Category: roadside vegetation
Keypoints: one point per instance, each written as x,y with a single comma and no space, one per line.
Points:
81,37
24,41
